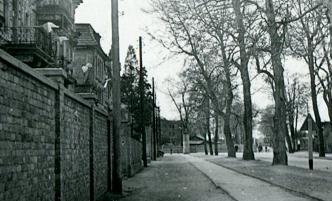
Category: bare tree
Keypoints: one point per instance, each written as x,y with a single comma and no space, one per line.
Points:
324,73
215,17
297,97
195,43
306,38
184,107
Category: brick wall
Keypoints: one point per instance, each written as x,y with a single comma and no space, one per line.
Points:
53,144
75,150
27,136
100,154
131,152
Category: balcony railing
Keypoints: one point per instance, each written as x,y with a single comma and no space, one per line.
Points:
32,37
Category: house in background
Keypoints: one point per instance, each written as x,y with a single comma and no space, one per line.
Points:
303,136
171,135
196,143
91,66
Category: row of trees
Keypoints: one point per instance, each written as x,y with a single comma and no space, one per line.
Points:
225,41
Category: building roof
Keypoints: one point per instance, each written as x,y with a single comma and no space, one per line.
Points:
88,37
197,138
304,126
196,142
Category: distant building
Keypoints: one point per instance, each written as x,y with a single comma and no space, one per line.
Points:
197,144
91,66
171,135
303,136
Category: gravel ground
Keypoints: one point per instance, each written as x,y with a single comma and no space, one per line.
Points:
316,184
170,179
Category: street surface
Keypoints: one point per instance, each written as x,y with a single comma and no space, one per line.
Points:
190,178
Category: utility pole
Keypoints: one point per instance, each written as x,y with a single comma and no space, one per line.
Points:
117,176
158,128
141,87
154,138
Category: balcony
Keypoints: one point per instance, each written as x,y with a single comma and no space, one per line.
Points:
32,45
60,15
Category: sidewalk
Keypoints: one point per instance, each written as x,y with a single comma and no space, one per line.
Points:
315,184
171,178
241,187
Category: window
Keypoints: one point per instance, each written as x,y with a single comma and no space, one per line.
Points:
27,19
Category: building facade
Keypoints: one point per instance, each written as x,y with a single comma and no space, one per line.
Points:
302,139
91,66
171,135
39,33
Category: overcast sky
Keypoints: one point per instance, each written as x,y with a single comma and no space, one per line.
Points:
133,23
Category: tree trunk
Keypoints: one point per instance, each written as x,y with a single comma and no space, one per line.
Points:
328,96
227,128
229,99
292,131
201,130
289,141
279,148
216,136
208,125
314,99
205,145
291,113
295,130
228,137
248,153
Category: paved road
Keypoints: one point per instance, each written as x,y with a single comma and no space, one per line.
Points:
172,179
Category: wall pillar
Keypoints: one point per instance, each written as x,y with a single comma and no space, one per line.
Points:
186,145
109,152
91,147
59,97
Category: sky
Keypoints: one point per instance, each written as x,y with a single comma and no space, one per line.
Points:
133,22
